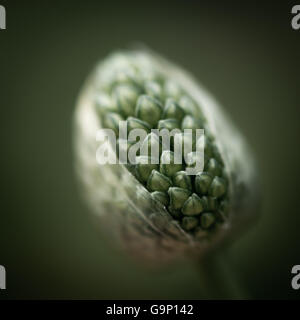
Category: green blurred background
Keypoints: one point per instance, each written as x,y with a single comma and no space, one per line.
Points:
248,56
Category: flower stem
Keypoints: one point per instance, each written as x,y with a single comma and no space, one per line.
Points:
218,280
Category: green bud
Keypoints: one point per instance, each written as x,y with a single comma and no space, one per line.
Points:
154,89
144,167
189,223
189,106
151,146
158,182
210,203
189,122
134,123
148,109
172,89
126,96
203,181
207,220
218,187
169,124
178,196
214,167
171,168
111,121
192,158
193,206
182,180
173,110
161,197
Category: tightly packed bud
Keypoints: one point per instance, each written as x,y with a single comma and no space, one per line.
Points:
148,109
168,167
193,206
148,100
173,110
144,167
182,180
161,199
126,97
158,182
178,197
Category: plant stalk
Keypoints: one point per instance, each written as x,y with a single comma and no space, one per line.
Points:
218,280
